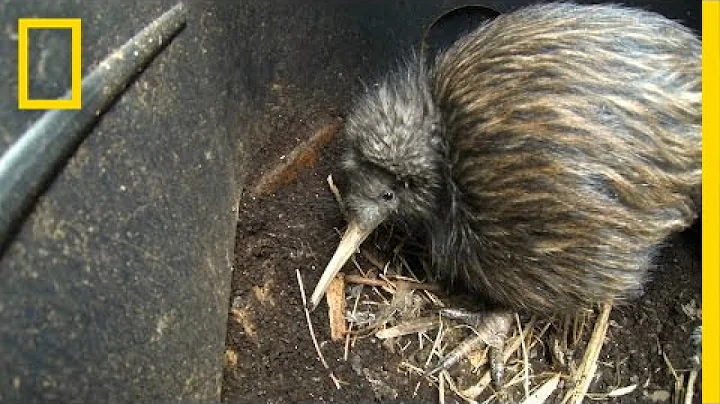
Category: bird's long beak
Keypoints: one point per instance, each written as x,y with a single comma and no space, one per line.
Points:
355,234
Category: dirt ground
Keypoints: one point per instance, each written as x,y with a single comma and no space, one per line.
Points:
270,355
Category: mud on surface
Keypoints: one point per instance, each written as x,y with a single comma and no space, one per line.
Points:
270,355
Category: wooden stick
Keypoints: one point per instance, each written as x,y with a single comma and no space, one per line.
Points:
335,296
336,193
690,391
526,362
588,366
335,380
380,283
540,395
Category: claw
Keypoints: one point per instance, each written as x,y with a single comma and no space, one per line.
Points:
456,354
497,366
491,328
471,318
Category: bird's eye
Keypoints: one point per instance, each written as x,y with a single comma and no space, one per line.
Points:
388,195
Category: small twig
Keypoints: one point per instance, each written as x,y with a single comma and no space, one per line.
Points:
537,339
436,344
589,363
303,157
565,335
526,362
374,288
361,280
417,325
410,368
543,392
517,378
346,349
690,390
350,326
406,265
454,388
336,193
621,391
441,388
383,283
579,328
670,366
335,380
678,391
493,397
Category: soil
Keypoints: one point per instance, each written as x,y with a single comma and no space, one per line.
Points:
270,355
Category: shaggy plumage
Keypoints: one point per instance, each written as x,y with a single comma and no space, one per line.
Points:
546,154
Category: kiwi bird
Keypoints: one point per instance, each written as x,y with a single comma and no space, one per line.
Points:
544,156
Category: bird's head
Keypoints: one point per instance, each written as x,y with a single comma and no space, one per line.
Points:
392,162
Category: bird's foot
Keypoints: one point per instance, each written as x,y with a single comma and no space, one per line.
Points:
491,329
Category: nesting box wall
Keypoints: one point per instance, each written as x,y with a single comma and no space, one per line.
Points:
115,287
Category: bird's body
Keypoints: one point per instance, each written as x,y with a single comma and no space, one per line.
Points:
545,155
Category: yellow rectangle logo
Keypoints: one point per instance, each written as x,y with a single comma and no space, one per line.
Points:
75,27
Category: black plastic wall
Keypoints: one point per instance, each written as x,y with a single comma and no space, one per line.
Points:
116,286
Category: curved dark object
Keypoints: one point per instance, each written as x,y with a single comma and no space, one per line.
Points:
37,155
452,24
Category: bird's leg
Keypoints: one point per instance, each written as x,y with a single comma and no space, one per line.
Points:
491,328
696,339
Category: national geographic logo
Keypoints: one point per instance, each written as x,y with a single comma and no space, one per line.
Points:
24,26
